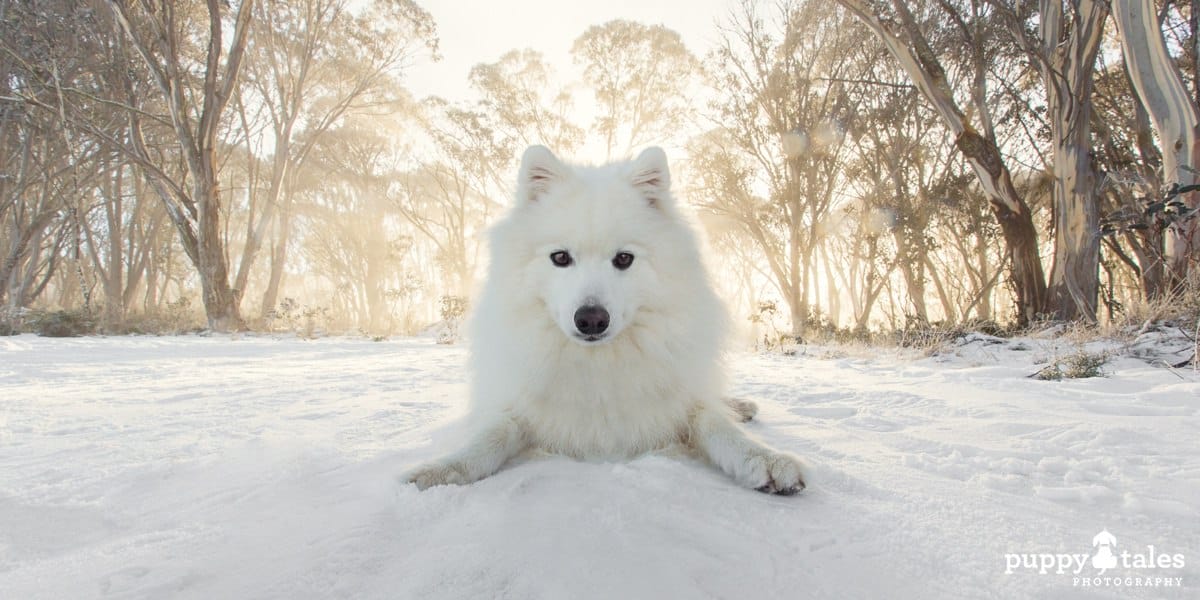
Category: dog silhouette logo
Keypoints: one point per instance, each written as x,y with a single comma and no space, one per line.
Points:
1104,559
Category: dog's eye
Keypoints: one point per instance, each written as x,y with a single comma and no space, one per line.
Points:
560,258
622,260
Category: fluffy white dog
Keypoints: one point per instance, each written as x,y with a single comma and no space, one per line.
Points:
598,334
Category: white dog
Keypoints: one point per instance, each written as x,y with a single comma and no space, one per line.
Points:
598,334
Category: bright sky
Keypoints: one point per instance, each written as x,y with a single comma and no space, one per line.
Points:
476,31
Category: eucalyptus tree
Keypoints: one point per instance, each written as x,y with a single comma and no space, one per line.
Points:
49,70
196,86
781,118
465,174
640,75
519,96
1126,151
348,228
1062,40
1155,77
973,128
315,61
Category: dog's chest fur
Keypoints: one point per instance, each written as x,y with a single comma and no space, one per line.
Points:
614,401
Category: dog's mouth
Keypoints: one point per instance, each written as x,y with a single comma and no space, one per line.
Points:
590,339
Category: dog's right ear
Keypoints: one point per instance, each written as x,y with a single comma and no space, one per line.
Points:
539,170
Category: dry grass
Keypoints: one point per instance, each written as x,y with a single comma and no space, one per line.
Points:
1180,309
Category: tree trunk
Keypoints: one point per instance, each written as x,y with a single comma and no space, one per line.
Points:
114,273
871,289
984,308
256,232
20,248
220,300
141,241
1074,277
1067,66
833,302
278,259
798,312
1016,223
912,267
1147,244
1174,114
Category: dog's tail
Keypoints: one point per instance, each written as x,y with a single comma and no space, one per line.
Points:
744,409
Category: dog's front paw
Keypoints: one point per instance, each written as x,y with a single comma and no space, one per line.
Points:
779,473
427,476
744,409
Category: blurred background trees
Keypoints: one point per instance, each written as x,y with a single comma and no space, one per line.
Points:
867,164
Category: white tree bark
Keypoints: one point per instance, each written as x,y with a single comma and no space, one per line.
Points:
1174,115
1070,40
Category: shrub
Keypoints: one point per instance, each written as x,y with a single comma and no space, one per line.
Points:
12,321
453,308
1079,365
174,318
63,323
307,322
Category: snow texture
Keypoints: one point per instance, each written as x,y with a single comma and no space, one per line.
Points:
252,467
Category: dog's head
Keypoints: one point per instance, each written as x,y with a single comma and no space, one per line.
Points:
596,239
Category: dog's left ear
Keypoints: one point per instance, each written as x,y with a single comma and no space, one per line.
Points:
651,176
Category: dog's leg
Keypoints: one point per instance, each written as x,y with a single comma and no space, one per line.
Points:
747,460
745,409
484,455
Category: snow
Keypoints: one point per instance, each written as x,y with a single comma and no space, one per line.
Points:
253,467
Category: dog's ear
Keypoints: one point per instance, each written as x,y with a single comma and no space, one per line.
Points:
539,170
651,176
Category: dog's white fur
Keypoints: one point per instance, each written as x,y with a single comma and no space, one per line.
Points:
654,381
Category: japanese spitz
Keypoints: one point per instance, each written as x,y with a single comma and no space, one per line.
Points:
598,334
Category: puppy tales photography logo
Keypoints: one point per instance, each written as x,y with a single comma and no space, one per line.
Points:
1106,565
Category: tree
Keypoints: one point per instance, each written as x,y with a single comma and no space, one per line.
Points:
1126,152
122,235
316,61
1174,114
352,231
1064,52
639,74
519,104
1070,41
900,162
901,34
774,160
46,170
522,106
159,35
468,171
440,203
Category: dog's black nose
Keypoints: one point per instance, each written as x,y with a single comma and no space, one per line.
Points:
591,320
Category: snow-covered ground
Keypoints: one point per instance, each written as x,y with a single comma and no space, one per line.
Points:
197,467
